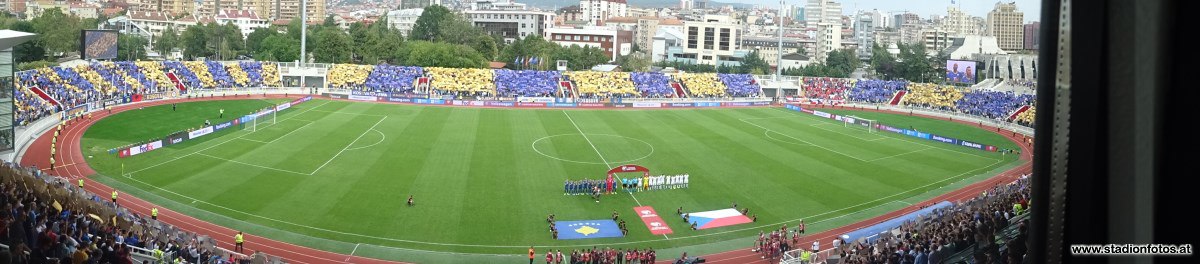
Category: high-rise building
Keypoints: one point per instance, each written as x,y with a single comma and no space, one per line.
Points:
958,23
404,19
268,9
511,25
865,24
1031,35
901,19
817,11
595,12
823,20
710,41
409,4
1006,24
171,7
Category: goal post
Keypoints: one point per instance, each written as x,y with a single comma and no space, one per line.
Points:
262,118
871,126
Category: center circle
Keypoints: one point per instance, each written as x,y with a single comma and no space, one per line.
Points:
616,149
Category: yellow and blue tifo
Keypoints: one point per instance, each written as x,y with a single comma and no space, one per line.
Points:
587,229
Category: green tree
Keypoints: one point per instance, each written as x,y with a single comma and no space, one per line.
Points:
883,63
29,51
840,63
278,48
58,31
429,25
753,63
131,47
430,54
637,61
167,42
332,46
254,39
195,42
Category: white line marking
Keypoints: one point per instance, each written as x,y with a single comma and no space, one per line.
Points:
535,149
805,141
344,113
897,155
348,145
846,134
352,251
218,144
768,134
382,137
289,132
585,137
254,165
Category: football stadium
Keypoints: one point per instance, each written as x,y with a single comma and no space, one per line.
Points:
444,133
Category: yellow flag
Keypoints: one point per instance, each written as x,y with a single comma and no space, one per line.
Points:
57,206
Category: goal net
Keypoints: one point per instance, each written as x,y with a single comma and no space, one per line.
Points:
262,119
870,126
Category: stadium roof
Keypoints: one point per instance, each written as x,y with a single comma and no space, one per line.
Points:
12,38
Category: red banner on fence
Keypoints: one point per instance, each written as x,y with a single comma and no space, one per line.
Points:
653,222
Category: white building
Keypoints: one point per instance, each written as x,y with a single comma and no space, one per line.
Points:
666,39
613,42
795,60
823,20
511,24
958,23
497,5
967,47
817,11
404,19
1008,26
595,12
712,40
246,20
865,24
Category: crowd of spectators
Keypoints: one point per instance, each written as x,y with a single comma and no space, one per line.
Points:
876,91
702,84
48,220
463,81
933,96
220,76
593,83
526,82
992,104
348,76
739,85
185,75
391,78
827,88
989,228
200,69
652,84
1026,118
240,77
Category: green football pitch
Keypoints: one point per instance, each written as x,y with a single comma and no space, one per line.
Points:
335,175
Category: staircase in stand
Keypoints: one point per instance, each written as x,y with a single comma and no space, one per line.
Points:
178,84
422,84
898,97
1014,115
568,89
679,91
44,96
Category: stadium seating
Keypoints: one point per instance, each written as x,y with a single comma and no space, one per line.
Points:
184,74
205,76
826,88
652,84
991,104
66,216
29,106
1026,118
702,84
270,74
253,73
392,78
875,91
591,83
220,76
526,82
940,97
457,80
740,85
240,77
348,76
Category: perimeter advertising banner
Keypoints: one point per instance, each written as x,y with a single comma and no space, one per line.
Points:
181,136
200,132
906,132
363,98
647,105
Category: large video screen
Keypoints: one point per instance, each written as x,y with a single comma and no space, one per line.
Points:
960,71
98,44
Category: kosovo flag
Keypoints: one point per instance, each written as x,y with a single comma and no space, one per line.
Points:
587,229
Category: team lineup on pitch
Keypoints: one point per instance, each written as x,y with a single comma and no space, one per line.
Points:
485,179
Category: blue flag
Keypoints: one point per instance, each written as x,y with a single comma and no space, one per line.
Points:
587,229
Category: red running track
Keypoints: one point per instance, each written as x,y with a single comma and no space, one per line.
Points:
825,238
71,165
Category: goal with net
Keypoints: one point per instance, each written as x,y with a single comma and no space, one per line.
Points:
871,126
264,117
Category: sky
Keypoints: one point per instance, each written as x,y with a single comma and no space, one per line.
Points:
926,8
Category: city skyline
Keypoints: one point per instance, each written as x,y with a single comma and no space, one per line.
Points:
924,8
